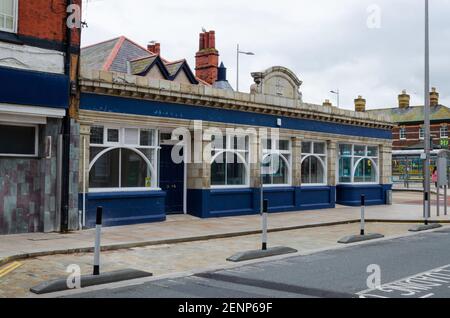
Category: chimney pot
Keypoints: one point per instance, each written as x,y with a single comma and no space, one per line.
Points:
404,100
434,97
327,103
155,48
360,104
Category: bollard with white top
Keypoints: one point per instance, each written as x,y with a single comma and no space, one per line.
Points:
98,230
363,220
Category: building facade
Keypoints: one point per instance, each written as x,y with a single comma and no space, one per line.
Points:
408,137
38,140
157,139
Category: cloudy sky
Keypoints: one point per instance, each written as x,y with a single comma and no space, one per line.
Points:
372,48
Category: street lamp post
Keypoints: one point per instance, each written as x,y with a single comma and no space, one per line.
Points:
237,64
336,92
427,198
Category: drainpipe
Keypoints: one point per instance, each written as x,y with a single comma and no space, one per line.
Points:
65,191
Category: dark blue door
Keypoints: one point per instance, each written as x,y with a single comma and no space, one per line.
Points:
171,180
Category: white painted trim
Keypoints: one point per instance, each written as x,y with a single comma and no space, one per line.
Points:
23,119
100,190
32,110
228,187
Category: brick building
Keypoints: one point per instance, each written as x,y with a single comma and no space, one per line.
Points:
38,140
408,134
138,112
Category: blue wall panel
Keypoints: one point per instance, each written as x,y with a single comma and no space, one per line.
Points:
181,111
321,197
123,208
33,88
351,194
229,202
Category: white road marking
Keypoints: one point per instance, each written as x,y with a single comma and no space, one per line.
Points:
412,286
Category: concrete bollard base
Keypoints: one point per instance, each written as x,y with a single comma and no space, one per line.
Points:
423,227
360,238
89,280
249,255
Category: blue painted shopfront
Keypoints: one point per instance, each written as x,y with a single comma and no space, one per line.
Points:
128,208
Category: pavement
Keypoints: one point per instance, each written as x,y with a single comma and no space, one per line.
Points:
184,243
415,266
186,228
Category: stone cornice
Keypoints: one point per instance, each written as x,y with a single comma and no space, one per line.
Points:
111,83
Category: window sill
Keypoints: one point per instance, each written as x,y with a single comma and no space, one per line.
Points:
103,190
10,37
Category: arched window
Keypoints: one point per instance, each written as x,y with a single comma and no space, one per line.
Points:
229,162
122,159
314,163
365,171
358,164
276,164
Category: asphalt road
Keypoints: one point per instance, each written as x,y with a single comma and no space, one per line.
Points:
413,266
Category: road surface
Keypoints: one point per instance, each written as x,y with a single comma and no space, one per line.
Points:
414,267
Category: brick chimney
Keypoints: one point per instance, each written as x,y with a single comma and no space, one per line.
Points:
207,58
155,48
360,104
434,97
404,100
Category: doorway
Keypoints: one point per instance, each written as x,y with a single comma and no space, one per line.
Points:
171,180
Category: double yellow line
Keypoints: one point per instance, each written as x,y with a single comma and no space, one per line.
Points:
9,268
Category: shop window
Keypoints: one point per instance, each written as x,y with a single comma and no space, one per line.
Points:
276,163
229,164
18,140
122,159
8,15
358,164
314,163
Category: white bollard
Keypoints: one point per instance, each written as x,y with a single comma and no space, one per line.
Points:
363,221
98,230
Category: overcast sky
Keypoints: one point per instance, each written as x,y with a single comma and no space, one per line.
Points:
329,44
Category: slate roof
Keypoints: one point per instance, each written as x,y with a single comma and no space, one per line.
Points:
115,54
414,114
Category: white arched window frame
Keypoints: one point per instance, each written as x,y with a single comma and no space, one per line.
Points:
235,144
356,159
324,169
242,160
129,138
288,163
316,149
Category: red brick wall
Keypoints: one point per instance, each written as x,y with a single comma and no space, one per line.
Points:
45,20
412,136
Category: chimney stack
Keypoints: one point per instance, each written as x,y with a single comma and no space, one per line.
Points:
155,48
207,58
360,104
327,103
434,97
404,100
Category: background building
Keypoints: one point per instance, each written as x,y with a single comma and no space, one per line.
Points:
408,137
38,157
